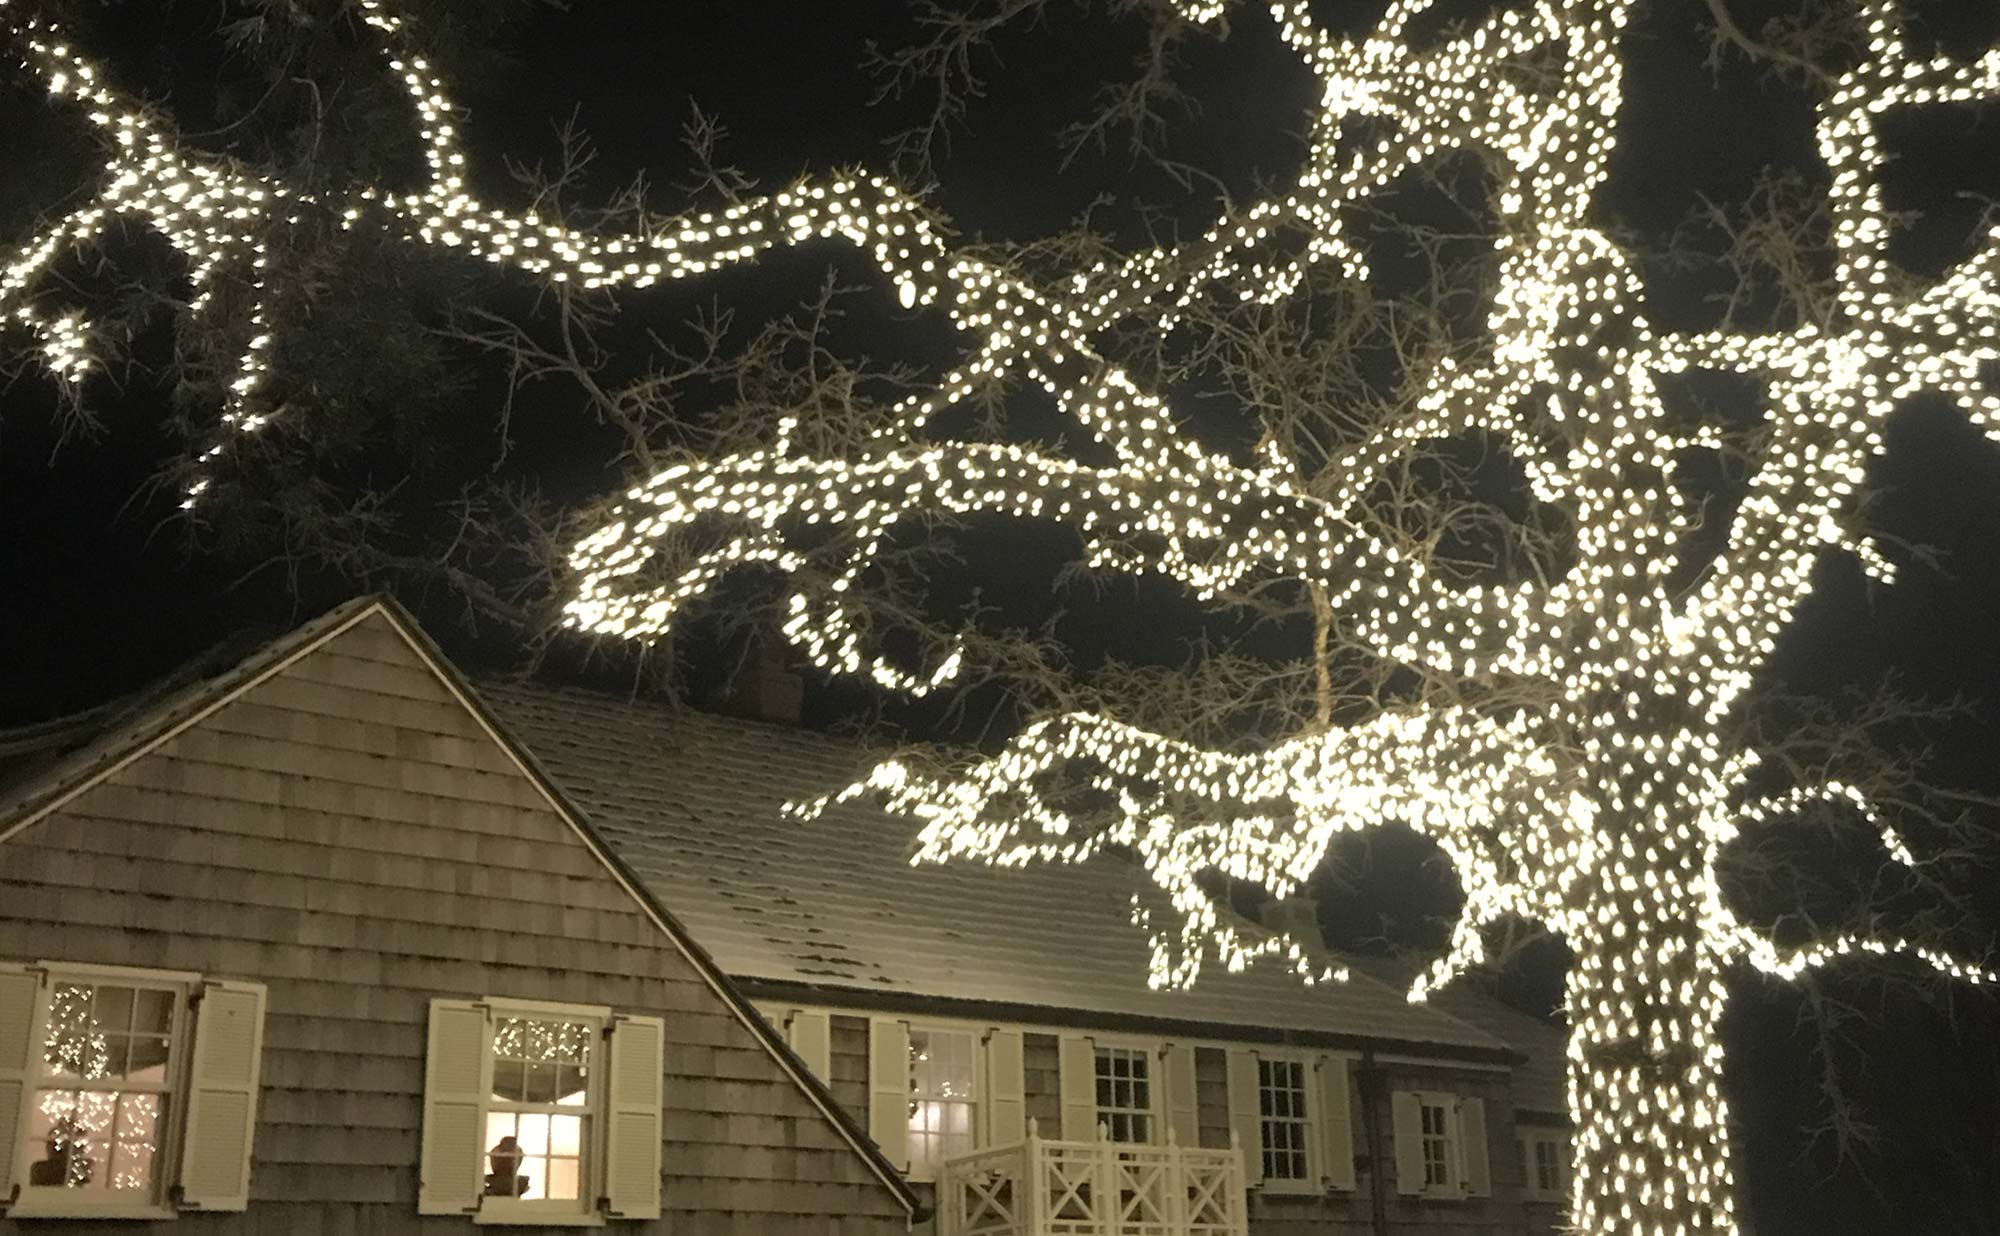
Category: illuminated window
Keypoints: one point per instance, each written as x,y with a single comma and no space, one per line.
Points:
539,1117
104,1093
943,1105
1125,1093
139,1095
1281,1109
541,1113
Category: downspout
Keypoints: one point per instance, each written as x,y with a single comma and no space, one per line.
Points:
1371,1126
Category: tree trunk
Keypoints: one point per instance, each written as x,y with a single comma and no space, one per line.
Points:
1651,1155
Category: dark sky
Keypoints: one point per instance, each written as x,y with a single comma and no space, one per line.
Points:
100,590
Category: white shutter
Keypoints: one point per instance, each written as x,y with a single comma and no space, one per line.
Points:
1076,1064
1006,1088
457,1069
222,1096
811,1036
1182,1116
1407,1134
632,1102
1336,1122
889,1089
20,990
1244,1119
1478,1172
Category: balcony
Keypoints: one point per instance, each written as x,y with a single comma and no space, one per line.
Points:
1040,1187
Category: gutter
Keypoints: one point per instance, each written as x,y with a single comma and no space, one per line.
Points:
841,999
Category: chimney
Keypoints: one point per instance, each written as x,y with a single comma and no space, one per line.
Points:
764,689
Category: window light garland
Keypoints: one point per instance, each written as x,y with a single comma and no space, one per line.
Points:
1600,813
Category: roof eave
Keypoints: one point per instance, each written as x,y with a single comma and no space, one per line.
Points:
863,999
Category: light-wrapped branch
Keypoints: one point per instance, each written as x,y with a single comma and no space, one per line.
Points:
1068,788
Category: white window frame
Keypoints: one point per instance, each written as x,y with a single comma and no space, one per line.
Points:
582,1211
1532,1139
1151,1051
1310,1122
1454,1144
978,1100
55,1201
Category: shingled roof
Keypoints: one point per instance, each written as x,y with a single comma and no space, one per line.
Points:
692,804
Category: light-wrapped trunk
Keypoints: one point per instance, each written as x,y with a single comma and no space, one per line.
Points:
1651,1154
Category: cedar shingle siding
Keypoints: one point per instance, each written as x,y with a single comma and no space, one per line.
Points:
349,834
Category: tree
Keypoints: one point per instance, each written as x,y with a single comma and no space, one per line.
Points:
1532,640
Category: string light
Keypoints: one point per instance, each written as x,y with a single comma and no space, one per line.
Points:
1600,811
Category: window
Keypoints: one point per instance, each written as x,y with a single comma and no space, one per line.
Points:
539,1118
104,1091
1281,1108
1125,1093
133,1087
943,1107
541,1113
1437,1139
1544,1156
1547,1172
1440,1144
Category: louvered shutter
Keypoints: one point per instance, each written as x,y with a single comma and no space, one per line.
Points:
1244,1118
1478,1172
1336,1122
457,1069
889,1089
1076,1063
1006,1088
222,1096
1182,1116
632,1104
811,1036
20,989
1406,1116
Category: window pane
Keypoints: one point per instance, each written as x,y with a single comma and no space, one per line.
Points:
147,1059
153,1011
572,1085
541,1082
510,1080
60,1139
535,1170
566,1135
503,1156
135,1141
534,1133
113,1009
565,1177
75,1045
536,1039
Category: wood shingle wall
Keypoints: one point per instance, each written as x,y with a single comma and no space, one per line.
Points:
349,834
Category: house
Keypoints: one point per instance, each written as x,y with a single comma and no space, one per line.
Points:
308,946
330,940
1018,999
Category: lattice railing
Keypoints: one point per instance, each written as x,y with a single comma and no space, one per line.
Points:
1042,1187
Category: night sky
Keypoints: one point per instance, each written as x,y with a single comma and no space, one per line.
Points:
103,588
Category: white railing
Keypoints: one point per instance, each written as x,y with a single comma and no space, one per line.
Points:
1041,1187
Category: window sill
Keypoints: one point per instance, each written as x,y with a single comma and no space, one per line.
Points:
30,1207
532,1216
1290,1188
1443,1195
